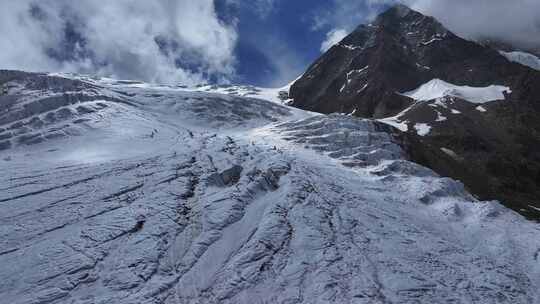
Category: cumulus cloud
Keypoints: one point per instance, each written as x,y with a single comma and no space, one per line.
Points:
332,38
165,40
516,22
347,14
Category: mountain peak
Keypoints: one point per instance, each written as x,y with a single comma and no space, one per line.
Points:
402,20
401,10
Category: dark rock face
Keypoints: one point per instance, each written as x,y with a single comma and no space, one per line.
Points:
398,52
495,152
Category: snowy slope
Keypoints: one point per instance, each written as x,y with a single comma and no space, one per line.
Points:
167,195
523,58
278,95
437,88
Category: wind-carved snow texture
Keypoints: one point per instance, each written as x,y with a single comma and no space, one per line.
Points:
206,198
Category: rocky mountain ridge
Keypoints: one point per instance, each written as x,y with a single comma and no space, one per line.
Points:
492,145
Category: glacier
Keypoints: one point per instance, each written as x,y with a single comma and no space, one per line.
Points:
523,58
127,192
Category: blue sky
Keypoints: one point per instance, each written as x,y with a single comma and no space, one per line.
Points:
277,44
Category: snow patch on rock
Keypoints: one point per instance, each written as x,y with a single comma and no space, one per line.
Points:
481,109
350,47
349,78
440,117
422,129
396,123
434,39
438,88
450,153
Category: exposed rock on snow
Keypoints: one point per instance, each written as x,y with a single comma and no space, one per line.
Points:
170,196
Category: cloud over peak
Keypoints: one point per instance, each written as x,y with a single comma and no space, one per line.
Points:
516,22
333,37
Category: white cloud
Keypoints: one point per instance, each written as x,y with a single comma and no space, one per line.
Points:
346,14
512,21
120,36
333,37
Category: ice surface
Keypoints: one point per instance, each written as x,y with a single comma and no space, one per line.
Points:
523,58
174,196
437,88
278,95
